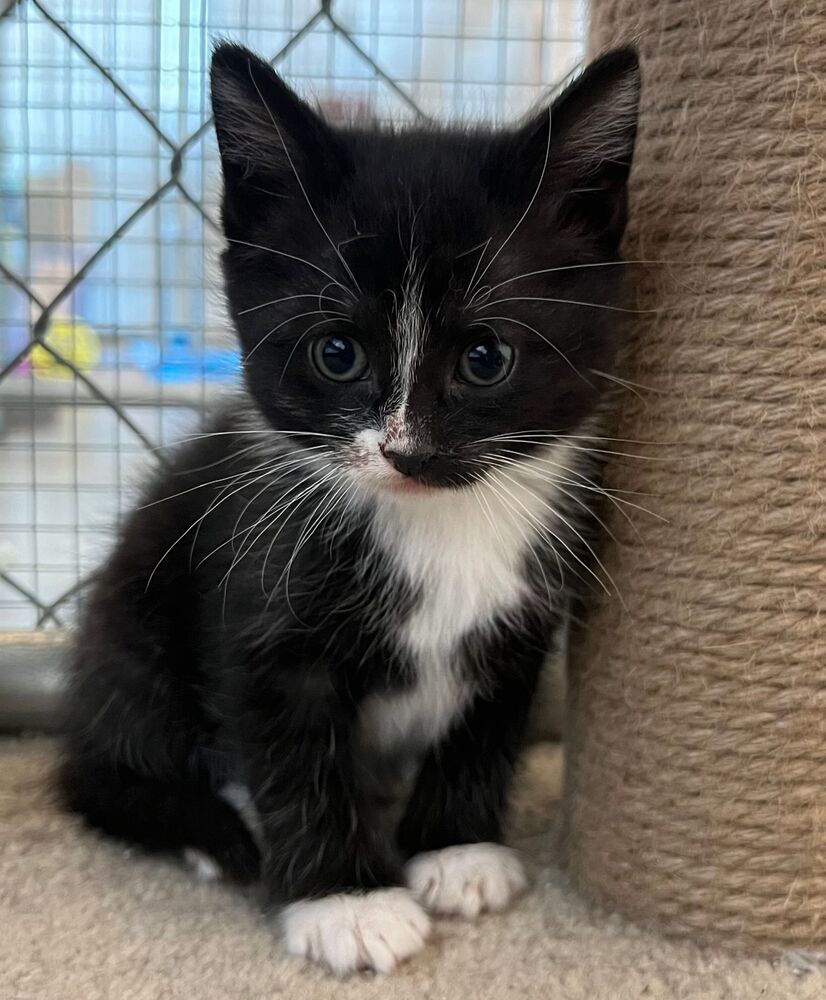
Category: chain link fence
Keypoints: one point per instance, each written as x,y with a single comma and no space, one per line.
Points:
112,333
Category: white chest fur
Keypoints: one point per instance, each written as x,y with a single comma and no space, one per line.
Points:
463,553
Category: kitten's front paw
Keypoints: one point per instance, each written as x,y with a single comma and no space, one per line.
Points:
348,932
466,880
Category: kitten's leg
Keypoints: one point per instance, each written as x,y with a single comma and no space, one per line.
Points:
160,814
133,724
453,823
340,879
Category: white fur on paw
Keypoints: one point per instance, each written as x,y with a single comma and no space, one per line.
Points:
347,933
203,867
466,880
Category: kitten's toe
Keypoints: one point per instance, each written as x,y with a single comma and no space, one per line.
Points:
466,880
348,933
202,866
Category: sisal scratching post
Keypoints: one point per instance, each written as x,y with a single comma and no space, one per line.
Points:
696,785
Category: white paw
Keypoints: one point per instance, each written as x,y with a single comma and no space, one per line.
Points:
348,932
466,880
202,866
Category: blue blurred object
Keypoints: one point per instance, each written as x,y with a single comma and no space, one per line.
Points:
175,360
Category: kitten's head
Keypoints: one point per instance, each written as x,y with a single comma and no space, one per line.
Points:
432,298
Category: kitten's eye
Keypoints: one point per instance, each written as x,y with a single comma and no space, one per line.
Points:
486,362
339,358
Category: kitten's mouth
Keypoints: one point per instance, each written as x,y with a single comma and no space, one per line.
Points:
409,486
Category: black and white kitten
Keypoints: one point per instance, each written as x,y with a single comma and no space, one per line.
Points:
312,652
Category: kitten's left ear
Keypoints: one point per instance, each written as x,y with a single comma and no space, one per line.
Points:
587,155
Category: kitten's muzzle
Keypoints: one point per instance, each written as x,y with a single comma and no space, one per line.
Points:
408,463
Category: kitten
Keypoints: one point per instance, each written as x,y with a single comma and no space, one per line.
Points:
309,660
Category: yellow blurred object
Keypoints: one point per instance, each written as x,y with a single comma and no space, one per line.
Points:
73,340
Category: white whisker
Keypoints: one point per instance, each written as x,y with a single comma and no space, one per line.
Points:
557,514
580,267
567,302
297,344
312,312
288,298
299,181
522,217
292,256
559,351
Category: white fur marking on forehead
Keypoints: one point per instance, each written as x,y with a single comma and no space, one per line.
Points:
408,332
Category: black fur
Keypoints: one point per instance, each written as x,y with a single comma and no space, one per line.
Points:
219,647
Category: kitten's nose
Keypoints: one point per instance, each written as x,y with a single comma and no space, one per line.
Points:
407,463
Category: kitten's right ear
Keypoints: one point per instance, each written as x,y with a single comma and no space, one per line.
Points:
577,153
269,139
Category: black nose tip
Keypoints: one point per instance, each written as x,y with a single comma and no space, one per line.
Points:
409,464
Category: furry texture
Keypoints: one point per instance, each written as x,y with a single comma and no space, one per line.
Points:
312,653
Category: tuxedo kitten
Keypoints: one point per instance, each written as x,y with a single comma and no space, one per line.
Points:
309,661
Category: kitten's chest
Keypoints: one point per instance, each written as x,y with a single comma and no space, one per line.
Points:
465,574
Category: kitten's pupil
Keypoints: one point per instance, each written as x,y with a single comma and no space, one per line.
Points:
340,358
486,362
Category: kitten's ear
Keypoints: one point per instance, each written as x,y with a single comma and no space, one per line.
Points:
593,127
268,137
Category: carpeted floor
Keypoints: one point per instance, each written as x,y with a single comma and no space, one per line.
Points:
81,920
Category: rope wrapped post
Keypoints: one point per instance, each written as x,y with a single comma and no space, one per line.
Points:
696,774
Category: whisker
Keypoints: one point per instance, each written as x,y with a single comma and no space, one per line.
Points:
292,256
198,521
559,351
328,476
281,508
313,525
470,250
536,437
284,469
299,181
583,482
626,383
544,532
557,483
288,298
556,513
565,439
520,521
200,486
580,267
568,302
484,247
312,312
262,433
479,494
297,344
282,465
527,208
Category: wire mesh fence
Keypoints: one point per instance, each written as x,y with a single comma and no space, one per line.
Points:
112,332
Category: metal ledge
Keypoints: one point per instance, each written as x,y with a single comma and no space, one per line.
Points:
32,676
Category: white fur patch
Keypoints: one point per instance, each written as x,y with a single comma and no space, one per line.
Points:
408,332
466,880
348,933
464,553
240,798
202,866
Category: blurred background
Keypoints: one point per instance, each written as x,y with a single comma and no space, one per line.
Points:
112,332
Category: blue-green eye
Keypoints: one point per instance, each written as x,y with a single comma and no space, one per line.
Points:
486,362
341,359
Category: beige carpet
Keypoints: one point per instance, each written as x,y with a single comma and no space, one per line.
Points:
81,920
